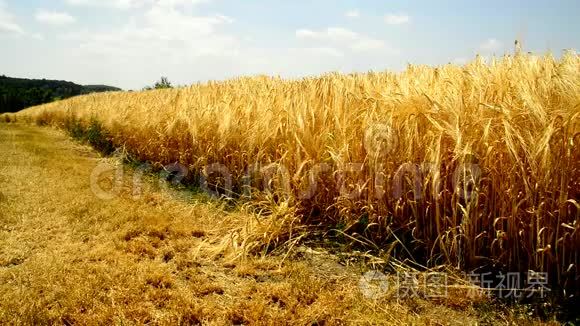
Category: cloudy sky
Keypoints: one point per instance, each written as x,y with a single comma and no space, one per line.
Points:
131,43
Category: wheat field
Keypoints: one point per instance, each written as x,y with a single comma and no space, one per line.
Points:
472,166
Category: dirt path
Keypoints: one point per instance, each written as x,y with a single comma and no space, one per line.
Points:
68,255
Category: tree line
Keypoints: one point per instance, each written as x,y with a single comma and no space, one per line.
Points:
20,93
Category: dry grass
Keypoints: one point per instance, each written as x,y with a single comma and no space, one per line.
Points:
486,155
68,257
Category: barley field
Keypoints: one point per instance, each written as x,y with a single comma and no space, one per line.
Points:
474,166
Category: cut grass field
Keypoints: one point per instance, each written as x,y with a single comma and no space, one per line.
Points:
68,257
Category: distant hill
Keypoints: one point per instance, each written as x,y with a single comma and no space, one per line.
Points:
99,88
19,93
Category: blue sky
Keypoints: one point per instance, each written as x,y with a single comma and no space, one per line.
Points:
131,43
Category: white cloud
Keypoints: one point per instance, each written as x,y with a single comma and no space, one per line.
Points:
337,34
324,51
344,38
306,33
7,23
368,45
169,23
225,19
116,4
161,33
491,45
54,18
132,4
175,3
397,19
352,13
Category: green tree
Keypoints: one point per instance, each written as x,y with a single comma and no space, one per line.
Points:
163,83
